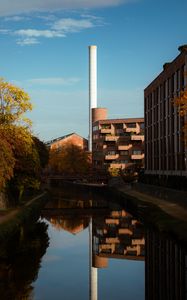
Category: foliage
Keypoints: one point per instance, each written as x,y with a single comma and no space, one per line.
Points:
26,172
14,133
14,102
21,154
70,159
181,103
114,172
42,151
7,161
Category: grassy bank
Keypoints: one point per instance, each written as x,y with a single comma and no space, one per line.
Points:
30,212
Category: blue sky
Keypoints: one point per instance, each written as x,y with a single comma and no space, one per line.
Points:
44,49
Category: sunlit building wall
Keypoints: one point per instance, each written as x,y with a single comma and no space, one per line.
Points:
165,149
117,143
72,138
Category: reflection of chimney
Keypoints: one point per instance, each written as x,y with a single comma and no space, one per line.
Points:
92,269
92,87
99,261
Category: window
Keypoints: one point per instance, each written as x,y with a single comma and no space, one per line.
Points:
119,126
131,125
142,125
136,152
105,126
111,153
95,128
124,152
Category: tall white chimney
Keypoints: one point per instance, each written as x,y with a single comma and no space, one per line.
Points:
92,87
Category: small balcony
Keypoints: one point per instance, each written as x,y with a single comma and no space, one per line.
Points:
136,137
111,156
105,130
111,138
124,147
118,165
137,156
133,129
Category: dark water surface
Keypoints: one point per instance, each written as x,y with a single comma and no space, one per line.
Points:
86,247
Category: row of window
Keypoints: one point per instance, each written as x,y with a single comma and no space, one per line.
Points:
125,152
118,126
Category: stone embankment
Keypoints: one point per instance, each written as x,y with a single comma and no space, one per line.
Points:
166,209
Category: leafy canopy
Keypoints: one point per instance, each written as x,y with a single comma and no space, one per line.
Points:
70,159
14,102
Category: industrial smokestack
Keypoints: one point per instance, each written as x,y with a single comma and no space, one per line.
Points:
92,87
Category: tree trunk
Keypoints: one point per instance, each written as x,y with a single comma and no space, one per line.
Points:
3,200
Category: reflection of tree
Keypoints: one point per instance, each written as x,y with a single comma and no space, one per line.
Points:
73,224
20,264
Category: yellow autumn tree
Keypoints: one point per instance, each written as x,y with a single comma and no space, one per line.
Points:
14,103
181,103
20,161
70,159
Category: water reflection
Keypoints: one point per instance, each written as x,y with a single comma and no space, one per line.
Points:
120,247
113,233
20,261
165,268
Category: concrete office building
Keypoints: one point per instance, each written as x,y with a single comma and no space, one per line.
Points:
165,148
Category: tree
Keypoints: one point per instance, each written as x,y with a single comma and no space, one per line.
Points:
20,152
70,159
181,103
14,102
14,128
42,151
7,162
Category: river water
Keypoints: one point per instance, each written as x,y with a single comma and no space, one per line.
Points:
88,247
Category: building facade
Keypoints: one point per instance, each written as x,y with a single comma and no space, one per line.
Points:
72,138
117,143
165,149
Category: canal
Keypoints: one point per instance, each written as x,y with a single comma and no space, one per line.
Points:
85,246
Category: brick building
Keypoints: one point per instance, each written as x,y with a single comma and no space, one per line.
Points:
165,150
71,138
117,143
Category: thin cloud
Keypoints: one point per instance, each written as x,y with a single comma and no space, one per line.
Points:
10,7
53,81
15,18
27,41
67,25
57,29
38,33
4,31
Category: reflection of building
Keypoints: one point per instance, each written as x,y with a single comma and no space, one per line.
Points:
118,235
117,143
165,268
71,138
164,143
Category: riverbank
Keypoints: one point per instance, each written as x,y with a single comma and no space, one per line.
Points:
12,220
165,209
